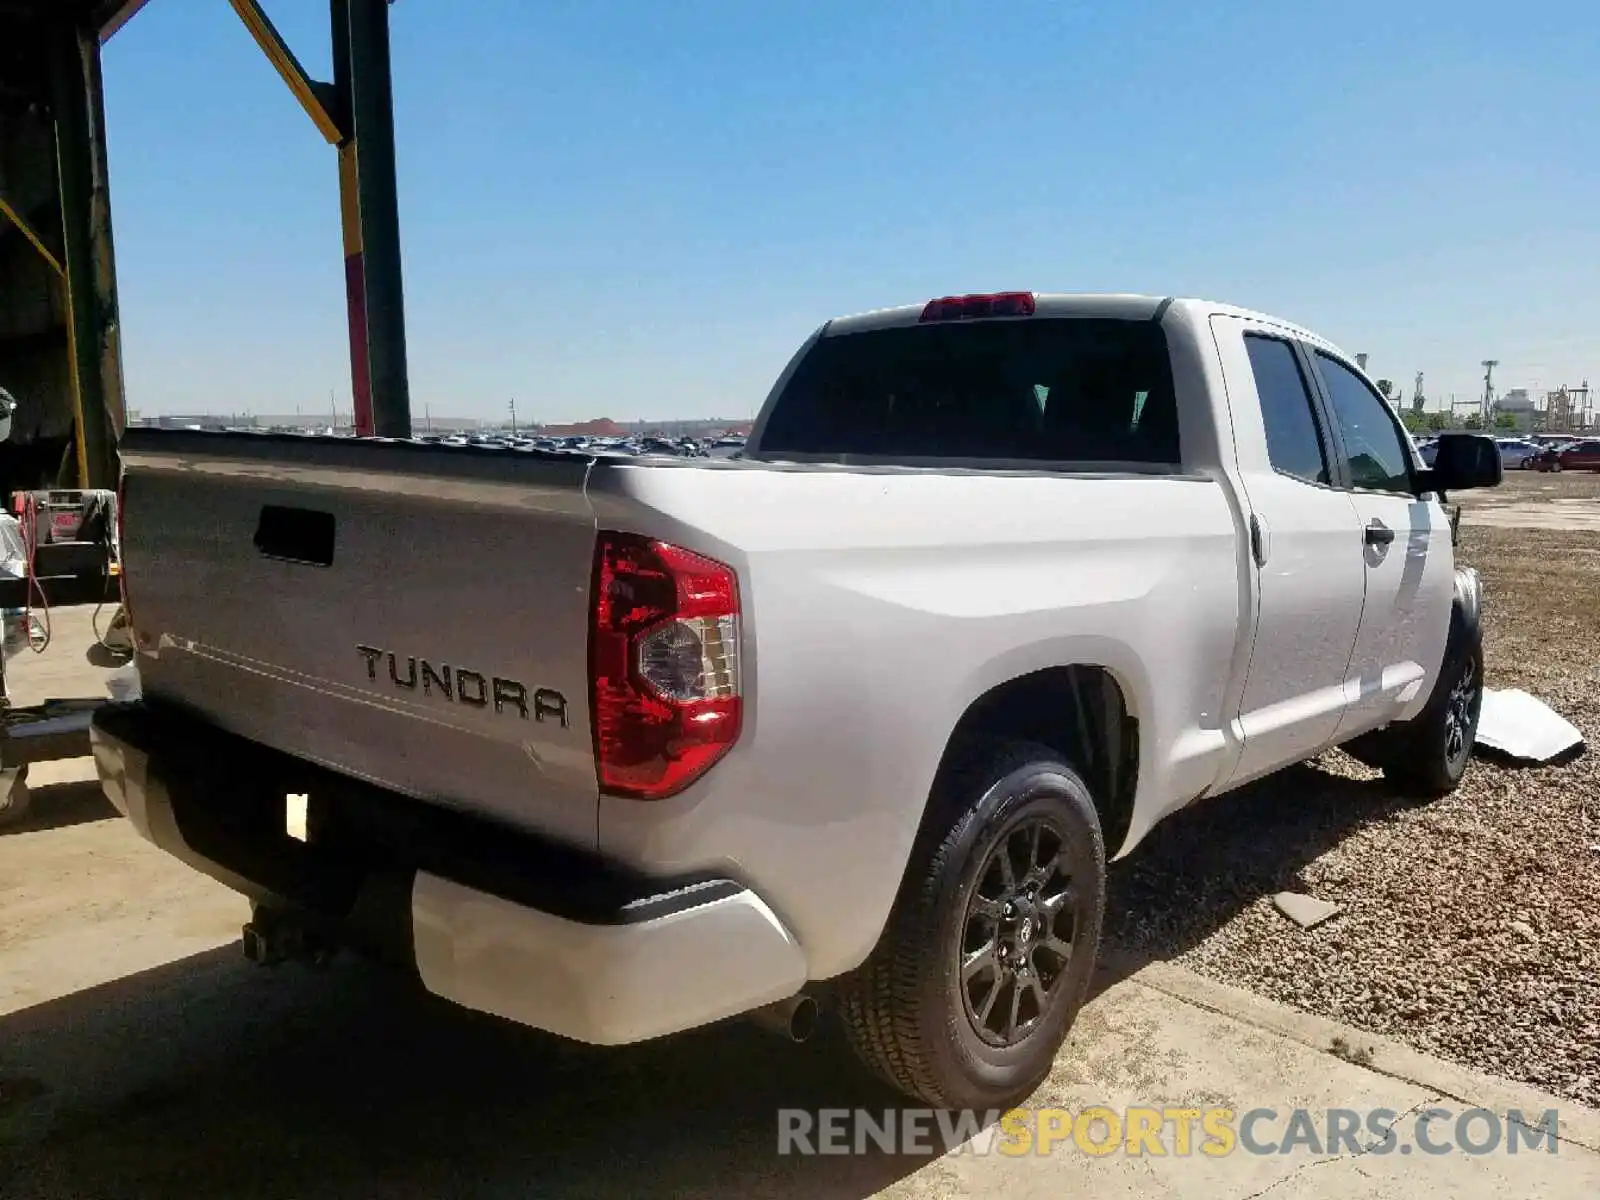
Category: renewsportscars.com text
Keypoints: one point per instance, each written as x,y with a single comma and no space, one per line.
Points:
1166,1131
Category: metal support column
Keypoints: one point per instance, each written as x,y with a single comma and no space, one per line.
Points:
355,280
369,101
356,113
78,108
102,255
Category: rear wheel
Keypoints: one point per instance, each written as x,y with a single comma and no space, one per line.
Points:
989,951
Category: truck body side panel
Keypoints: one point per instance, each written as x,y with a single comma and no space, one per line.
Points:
878,607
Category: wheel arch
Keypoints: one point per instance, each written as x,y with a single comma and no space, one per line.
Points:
1081,711
1468,600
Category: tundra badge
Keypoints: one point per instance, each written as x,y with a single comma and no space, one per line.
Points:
472,688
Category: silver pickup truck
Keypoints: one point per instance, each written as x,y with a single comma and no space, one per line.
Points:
616,747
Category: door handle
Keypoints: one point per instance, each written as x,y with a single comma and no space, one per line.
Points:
296,535
1258,541
1379,534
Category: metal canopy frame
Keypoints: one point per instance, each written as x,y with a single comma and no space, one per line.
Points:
354,112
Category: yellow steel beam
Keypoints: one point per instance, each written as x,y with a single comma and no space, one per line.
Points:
28,232
305,90
124,13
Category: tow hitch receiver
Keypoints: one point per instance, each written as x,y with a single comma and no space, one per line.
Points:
273,936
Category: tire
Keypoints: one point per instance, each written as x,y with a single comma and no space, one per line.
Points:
906,1011
1428,755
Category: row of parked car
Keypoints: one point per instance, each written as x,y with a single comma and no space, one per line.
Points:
1539,452
681,447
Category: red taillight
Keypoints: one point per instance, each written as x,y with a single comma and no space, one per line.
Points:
971,308
663,665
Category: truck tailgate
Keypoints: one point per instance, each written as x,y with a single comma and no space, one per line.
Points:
413,615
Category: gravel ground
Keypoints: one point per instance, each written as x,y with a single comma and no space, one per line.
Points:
1471,928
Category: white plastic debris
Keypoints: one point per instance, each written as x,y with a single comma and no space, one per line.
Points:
123,683
1524,727
13,550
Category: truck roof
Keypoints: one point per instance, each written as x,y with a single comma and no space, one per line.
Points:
1119,305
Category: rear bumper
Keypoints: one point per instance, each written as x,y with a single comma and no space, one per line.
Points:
484,915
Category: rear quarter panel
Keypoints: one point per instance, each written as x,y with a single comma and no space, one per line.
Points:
877,607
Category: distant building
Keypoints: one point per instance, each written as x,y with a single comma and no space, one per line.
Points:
599,427
187,421
1522,408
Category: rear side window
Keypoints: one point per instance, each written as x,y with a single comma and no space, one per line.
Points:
1294,443
1064,390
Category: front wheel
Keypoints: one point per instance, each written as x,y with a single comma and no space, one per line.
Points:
1428,755
991,945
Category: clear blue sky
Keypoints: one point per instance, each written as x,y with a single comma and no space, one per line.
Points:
639,209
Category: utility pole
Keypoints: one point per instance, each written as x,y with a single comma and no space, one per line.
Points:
513,416
1418,402
427,416
1489,364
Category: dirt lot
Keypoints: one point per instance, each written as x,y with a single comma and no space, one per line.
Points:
1470,929
1534,500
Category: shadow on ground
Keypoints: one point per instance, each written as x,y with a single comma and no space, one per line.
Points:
212,1077
1201,867
57,805
104,657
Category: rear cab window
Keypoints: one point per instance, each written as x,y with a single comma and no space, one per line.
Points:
1074,392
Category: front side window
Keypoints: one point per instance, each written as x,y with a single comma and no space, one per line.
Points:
1375,455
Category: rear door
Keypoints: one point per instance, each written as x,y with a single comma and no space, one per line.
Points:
1305,550
1405,545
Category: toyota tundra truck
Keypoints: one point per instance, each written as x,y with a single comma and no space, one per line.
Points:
620,746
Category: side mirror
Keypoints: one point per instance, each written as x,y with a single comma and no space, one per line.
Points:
1464,460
